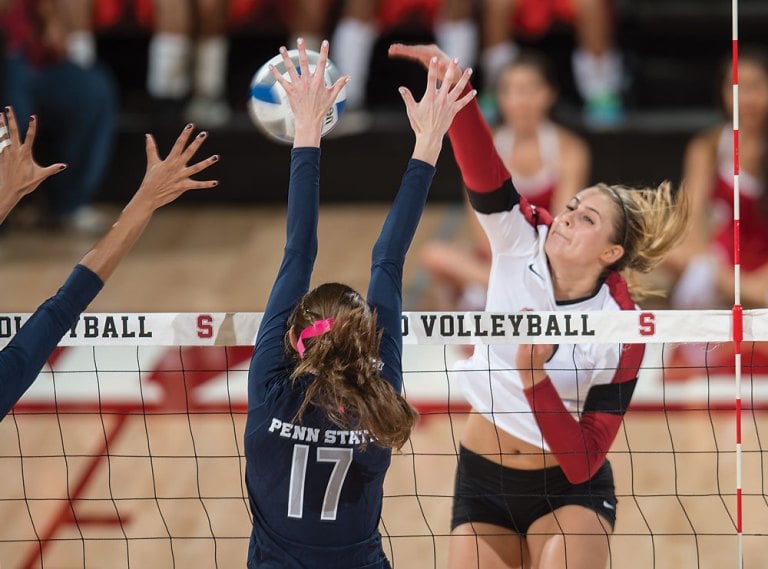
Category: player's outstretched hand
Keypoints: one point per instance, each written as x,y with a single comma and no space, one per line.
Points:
423,53
307,93
431,117
20,174
165,180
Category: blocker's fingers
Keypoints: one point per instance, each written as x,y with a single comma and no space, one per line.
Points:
200,185
194,146
181,141
290,68
462,83
284,83
52,169
450,73
5,141
303,59
200,166
151,146
464,101
407,96
431,77
338,86
13,126
322,61
29,138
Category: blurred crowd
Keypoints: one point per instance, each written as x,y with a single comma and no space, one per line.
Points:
189,40
51,67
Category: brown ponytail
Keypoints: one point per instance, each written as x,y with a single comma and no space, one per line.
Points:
347,385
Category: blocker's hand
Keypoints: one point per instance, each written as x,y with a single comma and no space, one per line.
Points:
307,93
431,117
165,180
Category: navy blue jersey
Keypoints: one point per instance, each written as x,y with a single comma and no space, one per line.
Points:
23,358
316,497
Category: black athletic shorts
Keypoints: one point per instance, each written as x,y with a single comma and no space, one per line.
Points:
486,492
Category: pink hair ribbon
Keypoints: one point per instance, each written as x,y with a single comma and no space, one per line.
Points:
318,328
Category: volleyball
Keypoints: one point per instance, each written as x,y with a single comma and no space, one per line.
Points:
268,104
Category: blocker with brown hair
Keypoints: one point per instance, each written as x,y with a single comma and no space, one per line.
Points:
324,402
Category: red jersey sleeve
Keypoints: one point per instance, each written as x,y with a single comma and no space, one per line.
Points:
482,170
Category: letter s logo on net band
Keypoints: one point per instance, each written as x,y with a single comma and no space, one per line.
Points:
647,323
205,326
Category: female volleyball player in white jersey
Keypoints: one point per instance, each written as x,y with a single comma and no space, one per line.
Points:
533,487
164,181
324,403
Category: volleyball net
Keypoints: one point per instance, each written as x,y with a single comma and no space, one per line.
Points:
128,449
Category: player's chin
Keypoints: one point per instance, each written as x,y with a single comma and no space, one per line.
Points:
556,243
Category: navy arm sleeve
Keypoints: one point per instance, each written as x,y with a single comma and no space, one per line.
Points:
292,281
385,289
23,358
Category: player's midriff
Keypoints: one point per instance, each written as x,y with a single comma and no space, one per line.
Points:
484,438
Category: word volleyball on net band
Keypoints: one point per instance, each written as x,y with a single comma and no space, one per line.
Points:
240,328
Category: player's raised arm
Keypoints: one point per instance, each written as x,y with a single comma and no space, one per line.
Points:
482,170
20,174
164,181
310,99
429,119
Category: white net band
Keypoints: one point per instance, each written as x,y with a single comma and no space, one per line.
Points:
421,328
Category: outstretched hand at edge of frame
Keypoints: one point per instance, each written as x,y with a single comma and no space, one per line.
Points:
20,174
431,117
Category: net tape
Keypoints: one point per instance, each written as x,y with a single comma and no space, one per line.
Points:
240,328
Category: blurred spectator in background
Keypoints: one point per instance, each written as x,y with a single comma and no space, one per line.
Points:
82,18
549,164
189,49
362,21
49,73
705,260
597,66
188,56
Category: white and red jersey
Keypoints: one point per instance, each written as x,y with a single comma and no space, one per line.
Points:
576,412
520,280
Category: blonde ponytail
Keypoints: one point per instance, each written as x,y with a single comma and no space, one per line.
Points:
650,223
